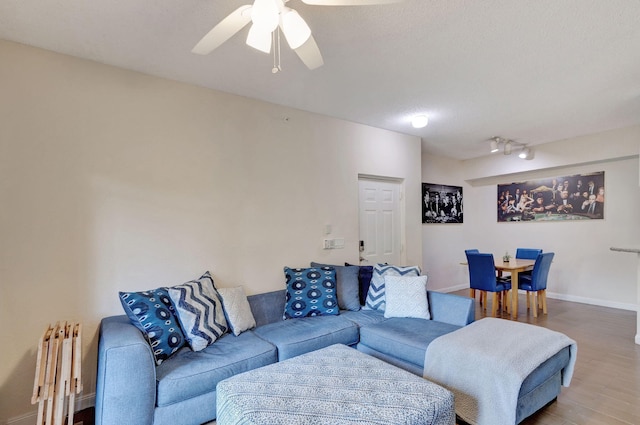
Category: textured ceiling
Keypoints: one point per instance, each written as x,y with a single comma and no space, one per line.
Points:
534,71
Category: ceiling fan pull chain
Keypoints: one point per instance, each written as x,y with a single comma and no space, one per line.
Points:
279,67
276,51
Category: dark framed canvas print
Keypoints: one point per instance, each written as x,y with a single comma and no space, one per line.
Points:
441,203
577,197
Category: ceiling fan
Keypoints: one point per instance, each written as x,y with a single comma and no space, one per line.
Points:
268,18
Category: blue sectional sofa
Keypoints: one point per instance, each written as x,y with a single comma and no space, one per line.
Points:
131,389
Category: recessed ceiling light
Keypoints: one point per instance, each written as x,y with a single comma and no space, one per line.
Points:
419,121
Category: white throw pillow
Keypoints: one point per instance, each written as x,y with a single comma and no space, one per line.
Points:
406,296
237,309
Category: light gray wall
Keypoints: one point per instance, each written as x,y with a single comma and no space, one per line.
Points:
584,269
115,181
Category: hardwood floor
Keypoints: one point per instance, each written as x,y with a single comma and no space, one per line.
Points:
605,388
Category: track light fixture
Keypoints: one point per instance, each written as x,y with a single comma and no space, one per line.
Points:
494,144
507,147
524,153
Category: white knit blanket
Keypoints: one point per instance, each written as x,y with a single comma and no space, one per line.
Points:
485,363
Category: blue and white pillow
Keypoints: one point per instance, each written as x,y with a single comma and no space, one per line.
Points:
153,313
200,311
375,296
310,292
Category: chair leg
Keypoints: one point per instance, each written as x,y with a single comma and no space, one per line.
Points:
528,301
504,295
543,295
494,305
536,299
472,293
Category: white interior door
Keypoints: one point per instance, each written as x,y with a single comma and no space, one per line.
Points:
380,221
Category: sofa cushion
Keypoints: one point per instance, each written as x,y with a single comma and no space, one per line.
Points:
404,338
153,313
237,309
295,337
364,317
200,312
310,292
347,285
189,374
375,296
406,296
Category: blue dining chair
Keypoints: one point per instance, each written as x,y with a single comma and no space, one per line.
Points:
472,292
482,277
536,283
527,254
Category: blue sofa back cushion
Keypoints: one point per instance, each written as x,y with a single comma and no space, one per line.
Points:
347,285
153,313
310,292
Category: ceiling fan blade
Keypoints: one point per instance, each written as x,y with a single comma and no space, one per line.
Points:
348,2
309,54
224,30
295,29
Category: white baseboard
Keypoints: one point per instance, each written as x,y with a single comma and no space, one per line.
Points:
593,301
452,288
30,418
564,297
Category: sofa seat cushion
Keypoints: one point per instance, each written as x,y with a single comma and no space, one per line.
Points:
298,336
404,338
188,374
364,317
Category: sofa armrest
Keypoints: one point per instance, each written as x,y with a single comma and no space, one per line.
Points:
450,308
126,380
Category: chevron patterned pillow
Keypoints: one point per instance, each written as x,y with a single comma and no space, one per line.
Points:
200,312
375,296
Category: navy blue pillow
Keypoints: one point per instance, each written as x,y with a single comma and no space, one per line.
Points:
153,313
310,292
364,280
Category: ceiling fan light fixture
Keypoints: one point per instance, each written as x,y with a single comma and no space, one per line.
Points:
265,15
295,29
420,121
259,39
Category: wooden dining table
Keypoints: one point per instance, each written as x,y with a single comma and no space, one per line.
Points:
513,266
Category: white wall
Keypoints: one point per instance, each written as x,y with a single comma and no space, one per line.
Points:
584,268
111,180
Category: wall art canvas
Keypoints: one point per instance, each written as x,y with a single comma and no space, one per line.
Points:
441,203
577,197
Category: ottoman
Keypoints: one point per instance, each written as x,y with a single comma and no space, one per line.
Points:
336,385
